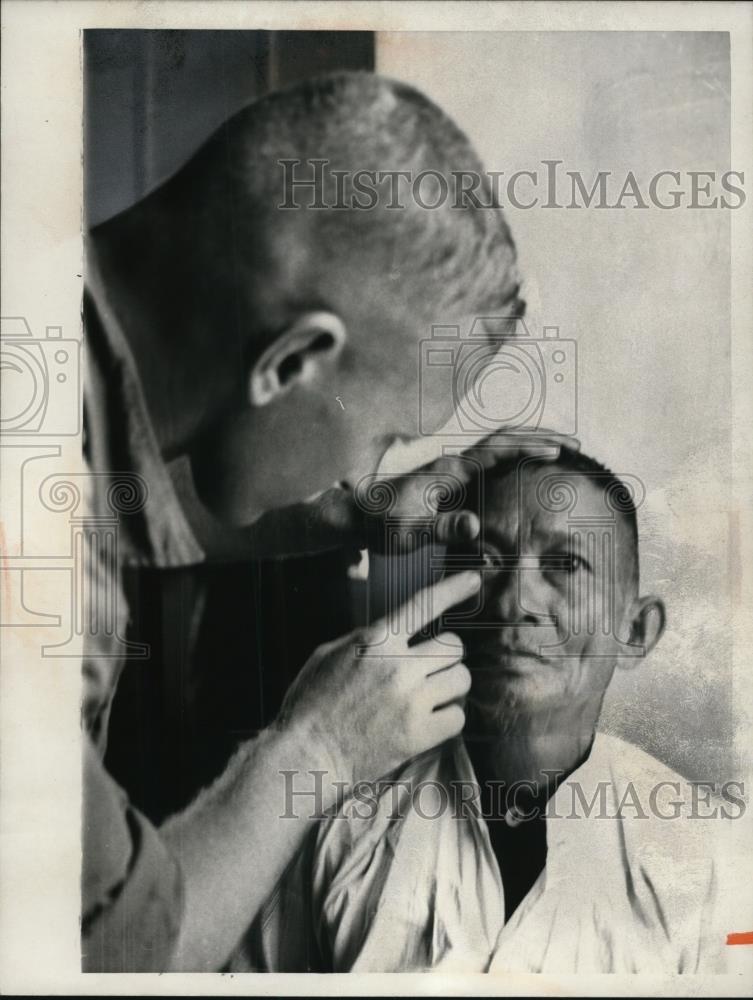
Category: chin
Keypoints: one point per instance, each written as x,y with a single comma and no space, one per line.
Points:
238,499
497,699
228,506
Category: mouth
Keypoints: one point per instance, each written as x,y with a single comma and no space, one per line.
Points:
504,658
517,651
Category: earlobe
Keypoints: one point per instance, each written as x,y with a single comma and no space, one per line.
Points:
648,623
296,355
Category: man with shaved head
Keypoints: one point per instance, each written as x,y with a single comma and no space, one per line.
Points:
259,307
273,353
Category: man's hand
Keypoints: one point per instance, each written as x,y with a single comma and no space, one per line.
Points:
368,702
393,506
360,707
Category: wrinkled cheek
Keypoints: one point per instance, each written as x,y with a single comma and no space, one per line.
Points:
580,622
588,667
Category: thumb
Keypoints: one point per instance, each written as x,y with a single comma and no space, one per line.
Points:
456,527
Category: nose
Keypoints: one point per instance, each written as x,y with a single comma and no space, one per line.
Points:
517,593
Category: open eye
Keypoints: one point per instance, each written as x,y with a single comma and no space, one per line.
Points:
571,562
492,559
567,563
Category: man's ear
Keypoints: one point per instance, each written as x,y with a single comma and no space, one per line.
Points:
295,356
647,625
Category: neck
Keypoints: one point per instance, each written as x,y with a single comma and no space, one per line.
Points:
537,747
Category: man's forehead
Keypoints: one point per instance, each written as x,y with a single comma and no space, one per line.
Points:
539,496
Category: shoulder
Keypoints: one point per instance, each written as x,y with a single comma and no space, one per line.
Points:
357,845
667,826
654,787
628,761
636,834
632,806
375,809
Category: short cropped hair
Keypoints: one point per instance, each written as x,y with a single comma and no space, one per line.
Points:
362,121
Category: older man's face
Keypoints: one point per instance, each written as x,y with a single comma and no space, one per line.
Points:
554,596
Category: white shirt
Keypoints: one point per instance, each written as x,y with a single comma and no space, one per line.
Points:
623,889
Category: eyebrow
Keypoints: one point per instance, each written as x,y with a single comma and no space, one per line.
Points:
563,539
552,539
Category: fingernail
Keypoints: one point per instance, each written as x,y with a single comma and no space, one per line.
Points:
469,524
473,579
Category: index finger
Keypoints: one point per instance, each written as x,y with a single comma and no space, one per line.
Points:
431,602
540,443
